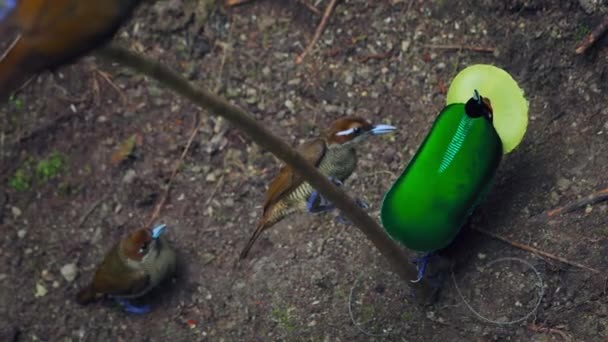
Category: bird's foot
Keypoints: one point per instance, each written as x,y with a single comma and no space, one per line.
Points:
336,181
317,203
362,204
421,263
133,309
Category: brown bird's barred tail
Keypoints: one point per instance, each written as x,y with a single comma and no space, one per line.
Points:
86,295
258,231
12,74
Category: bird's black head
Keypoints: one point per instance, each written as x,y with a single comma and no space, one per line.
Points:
478,106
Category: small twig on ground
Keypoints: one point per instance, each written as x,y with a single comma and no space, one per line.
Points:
108,79
215,189
593,36
236,2
542,329
310,7
538,251
89,211
384,55
460,47
597,197
25,84
163,199
320,29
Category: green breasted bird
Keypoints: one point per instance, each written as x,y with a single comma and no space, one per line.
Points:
445,180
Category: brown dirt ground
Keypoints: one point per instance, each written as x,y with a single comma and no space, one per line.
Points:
296,283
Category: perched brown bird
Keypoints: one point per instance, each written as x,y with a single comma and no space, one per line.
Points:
56,32
333,154
131,268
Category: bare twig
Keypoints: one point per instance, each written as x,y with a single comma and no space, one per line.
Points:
318,32
597,197
461,47
215,189
236,2
176,167
89,211
310,7
106,77
384,55
538,251
542,329
593,36
258,132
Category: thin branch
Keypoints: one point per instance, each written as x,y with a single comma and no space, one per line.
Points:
258,132
546,330
597,197
163,200
538,251
310,7
593,36
89,211
460,47
319,31
235,2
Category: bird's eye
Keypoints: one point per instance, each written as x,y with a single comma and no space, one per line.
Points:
357,130
143,249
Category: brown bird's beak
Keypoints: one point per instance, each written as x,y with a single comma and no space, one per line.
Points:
382,129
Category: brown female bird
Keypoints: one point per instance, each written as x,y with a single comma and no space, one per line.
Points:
131,268
333,154
55,32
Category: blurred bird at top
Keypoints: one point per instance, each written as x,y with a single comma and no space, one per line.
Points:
52,33
333,154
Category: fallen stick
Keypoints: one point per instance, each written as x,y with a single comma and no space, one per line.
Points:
163,200
235,2
593,36
461,47
598,197
538,251
319,30
310,7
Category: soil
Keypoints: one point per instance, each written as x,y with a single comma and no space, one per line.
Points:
377,59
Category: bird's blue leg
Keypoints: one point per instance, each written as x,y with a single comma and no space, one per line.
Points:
421,263
323,205
130,308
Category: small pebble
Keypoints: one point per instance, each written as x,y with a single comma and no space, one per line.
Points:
69,272
21,233
129,176
16,212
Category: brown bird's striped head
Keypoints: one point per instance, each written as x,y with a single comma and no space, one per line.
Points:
353,130
140,243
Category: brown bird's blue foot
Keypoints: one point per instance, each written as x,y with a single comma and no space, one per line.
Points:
133,309
318,204
323,204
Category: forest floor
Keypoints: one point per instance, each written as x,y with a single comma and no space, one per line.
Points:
66,195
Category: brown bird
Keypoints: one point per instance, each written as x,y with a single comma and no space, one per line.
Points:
333,154
55,32
131,268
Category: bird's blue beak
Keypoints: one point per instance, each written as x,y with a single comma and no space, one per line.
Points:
382,129
158,231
